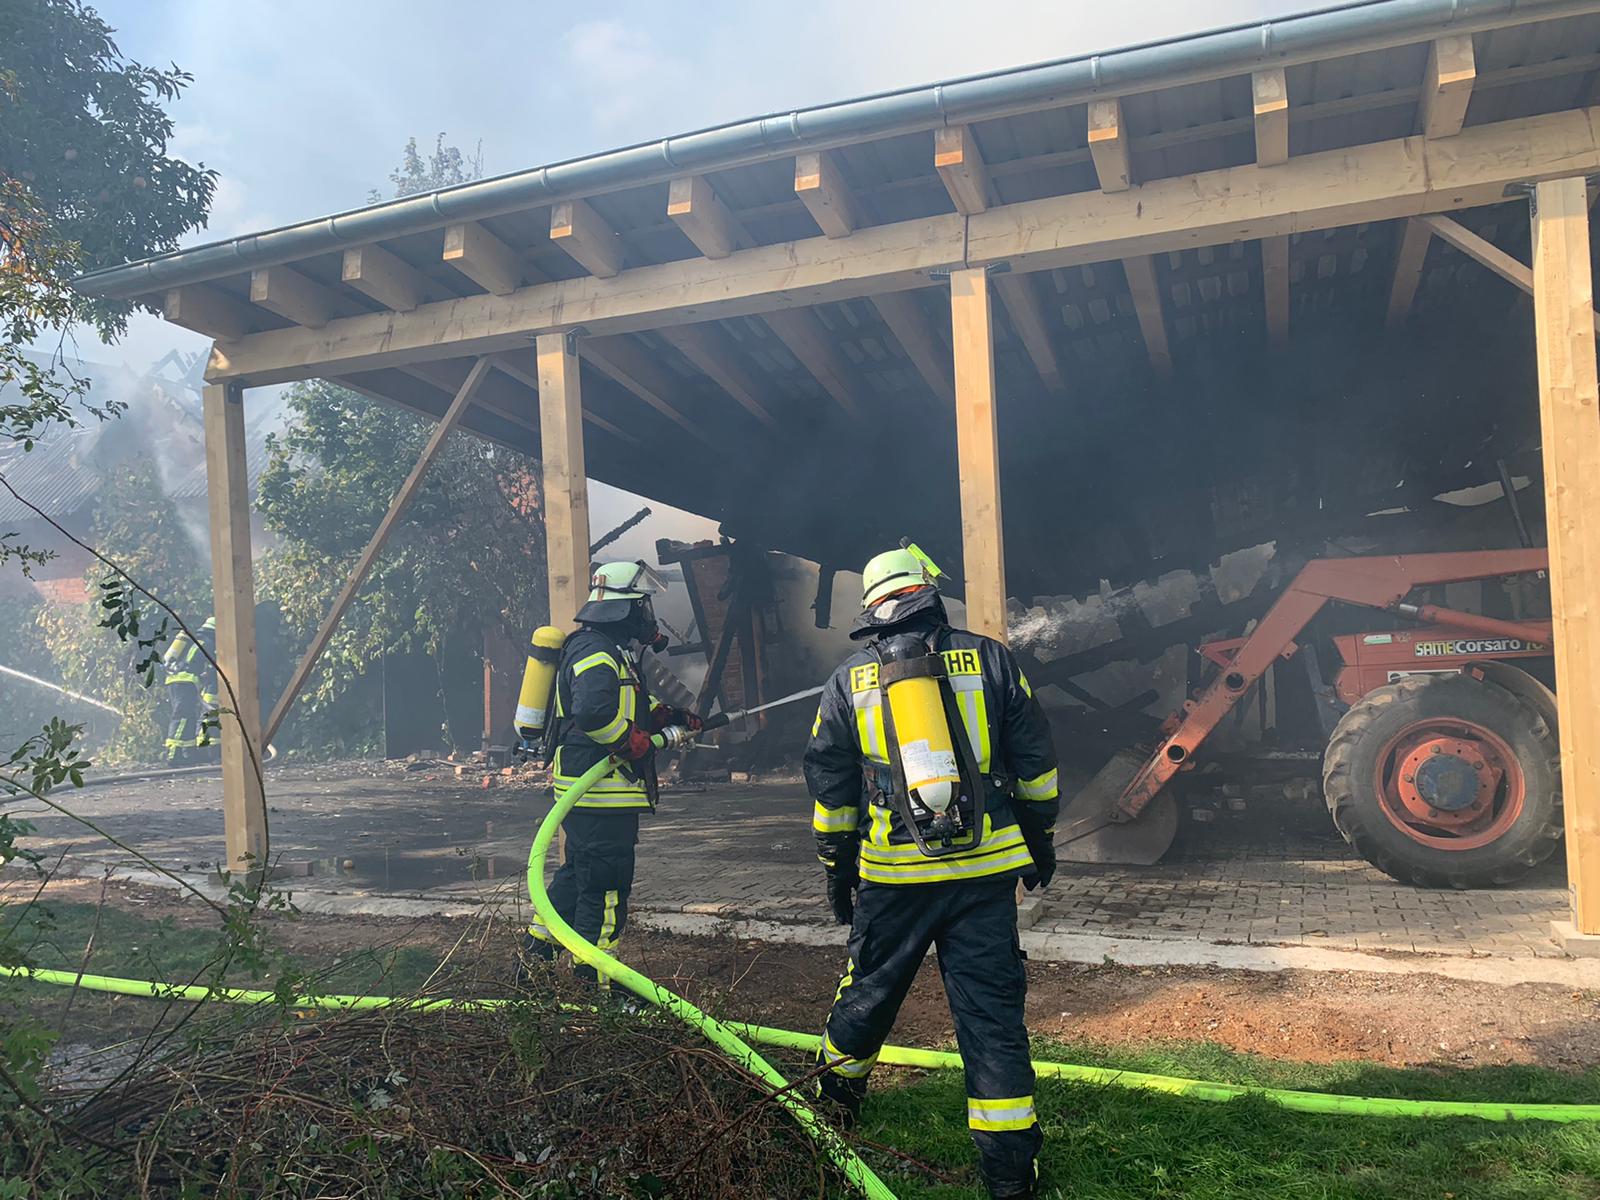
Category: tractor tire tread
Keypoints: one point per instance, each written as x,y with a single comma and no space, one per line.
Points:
1353,814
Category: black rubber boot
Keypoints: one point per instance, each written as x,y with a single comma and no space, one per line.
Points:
532,955
840,1098
1013,1188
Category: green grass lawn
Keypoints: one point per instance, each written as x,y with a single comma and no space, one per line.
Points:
1100,1142
1117,1143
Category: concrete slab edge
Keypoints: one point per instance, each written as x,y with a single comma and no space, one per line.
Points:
1040,946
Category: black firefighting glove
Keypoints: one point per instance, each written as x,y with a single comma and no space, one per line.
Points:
844,875
1041,845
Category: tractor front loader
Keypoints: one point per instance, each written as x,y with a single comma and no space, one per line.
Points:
1443,769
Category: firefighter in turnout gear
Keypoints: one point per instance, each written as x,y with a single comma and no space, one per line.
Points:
602,707
934,781
192,694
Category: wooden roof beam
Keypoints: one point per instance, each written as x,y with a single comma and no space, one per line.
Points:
915,333
1447,86
482,258
823,191
1017,293
585,236
961,167
717,356
1275,288
1408,260
1270,95
810,342
625,361
209,310
1400,177
385,277
293,296
694,207
1146,293
1108,145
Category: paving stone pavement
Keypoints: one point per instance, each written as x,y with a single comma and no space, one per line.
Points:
1273,876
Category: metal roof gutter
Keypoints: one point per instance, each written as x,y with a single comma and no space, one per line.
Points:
1369,25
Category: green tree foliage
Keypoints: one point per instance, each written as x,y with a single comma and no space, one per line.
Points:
138,526
445,167
467,558
85,182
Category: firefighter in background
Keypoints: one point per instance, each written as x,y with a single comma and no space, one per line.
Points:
602,707
192,694
930,803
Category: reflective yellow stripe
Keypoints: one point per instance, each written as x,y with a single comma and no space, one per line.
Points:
844,1064
878,834
1027,688
847,980
601,658
608,923
182,677
833,820
1008,838
540,933
816,726
607,734
996,1116
948,869
1040,787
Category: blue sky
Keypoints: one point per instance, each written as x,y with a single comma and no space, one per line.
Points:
304,107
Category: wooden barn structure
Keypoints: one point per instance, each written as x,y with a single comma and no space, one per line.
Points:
1107,289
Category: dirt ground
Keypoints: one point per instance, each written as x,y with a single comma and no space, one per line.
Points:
1304,1016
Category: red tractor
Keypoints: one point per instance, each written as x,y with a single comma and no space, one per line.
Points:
1443,769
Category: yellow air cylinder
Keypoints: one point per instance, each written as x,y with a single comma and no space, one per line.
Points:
539,680
910,676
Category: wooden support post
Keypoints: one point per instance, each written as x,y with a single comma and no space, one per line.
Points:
358,574
244,805
978,452
566,487
1408,260
1569,413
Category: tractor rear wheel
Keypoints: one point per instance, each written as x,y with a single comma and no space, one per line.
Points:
1445,781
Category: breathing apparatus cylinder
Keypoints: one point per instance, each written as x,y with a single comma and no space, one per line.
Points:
909,676
534,703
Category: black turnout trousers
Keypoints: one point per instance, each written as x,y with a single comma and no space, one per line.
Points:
590,890
973,926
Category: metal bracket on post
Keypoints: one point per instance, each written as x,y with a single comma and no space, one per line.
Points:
995,268
571,338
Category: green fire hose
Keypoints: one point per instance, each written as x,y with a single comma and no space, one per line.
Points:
720,1035
728,1036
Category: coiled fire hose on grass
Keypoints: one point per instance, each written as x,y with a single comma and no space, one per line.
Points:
727,1036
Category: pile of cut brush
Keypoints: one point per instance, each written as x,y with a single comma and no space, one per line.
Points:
552,1097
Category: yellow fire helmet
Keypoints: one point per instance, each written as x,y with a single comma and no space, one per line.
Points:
897,571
